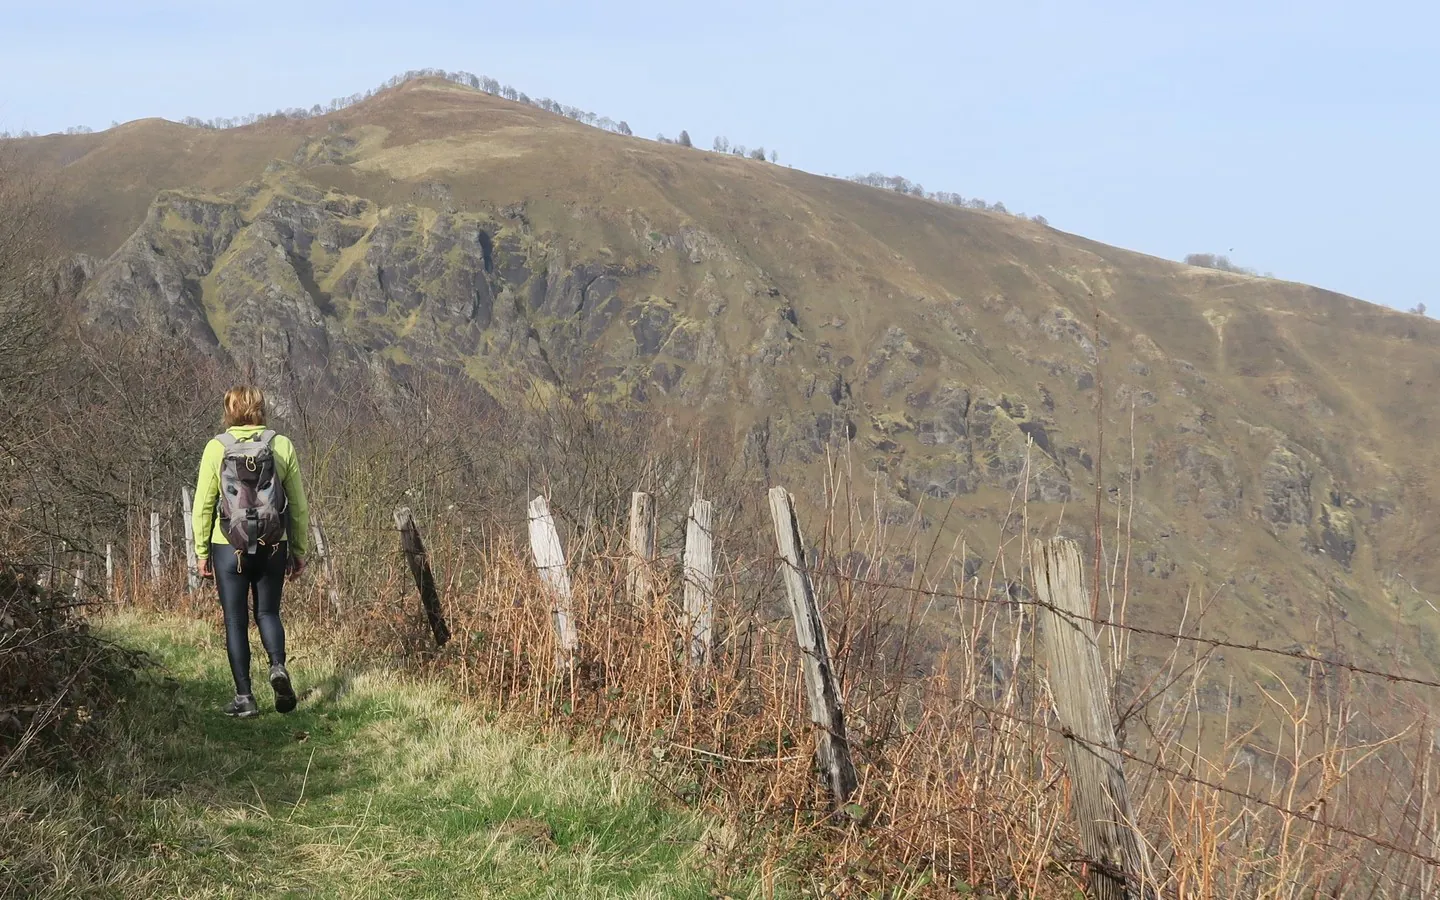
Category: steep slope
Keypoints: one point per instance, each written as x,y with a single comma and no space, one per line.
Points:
1282,465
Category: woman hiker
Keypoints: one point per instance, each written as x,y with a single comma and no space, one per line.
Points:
252,528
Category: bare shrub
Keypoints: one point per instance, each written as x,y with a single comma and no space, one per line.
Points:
1217,261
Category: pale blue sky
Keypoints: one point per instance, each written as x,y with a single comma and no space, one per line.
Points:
1305,135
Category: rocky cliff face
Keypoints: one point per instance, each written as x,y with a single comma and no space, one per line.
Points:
301,284
962,359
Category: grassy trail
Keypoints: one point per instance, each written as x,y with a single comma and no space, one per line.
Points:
374,787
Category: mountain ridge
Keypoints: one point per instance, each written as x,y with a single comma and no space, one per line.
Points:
1280,452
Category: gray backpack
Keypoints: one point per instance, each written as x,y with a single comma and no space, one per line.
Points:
252,504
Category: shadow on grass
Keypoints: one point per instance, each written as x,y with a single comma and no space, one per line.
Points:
368,785
269,763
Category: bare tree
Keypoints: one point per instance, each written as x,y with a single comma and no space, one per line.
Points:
684,139
95,423
29,323
27,282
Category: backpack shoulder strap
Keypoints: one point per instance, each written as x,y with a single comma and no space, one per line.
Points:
226,439
266,437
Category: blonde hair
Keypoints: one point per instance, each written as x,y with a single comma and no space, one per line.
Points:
244,406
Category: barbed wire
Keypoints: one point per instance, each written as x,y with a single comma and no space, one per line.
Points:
1216,643
1095,746
490,522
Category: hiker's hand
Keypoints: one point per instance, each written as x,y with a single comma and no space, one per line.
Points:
205,570
297,565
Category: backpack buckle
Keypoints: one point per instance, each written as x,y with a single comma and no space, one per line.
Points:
250,463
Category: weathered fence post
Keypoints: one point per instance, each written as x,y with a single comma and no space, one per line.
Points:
192,562
699,583
79,583
1082,700
833,748
322,550
109,572
47,575
642,546
154,545
419,561
550,561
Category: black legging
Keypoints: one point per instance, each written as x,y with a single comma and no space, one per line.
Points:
264,572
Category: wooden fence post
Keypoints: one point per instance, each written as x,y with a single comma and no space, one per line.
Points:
109,572
192,562
47,577
550,561
832,751
322,550
1082,700
154,545
642,547
699,583
419,561
79,583
51,579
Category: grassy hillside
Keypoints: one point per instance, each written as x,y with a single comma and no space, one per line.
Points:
1267,445
377,786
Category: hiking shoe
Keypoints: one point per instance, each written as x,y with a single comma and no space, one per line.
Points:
284,693
242,707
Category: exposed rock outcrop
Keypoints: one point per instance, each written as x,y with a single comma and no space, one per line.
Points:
1285,480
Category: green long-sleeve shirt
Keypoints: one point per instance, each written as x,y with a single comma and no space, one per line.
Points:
207,493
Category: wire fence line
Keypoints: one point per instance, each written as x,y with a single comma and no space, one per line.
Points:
1215,643
1188,778
823,573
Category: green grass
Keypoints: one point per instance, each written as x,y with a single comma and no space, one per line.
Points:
375,787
